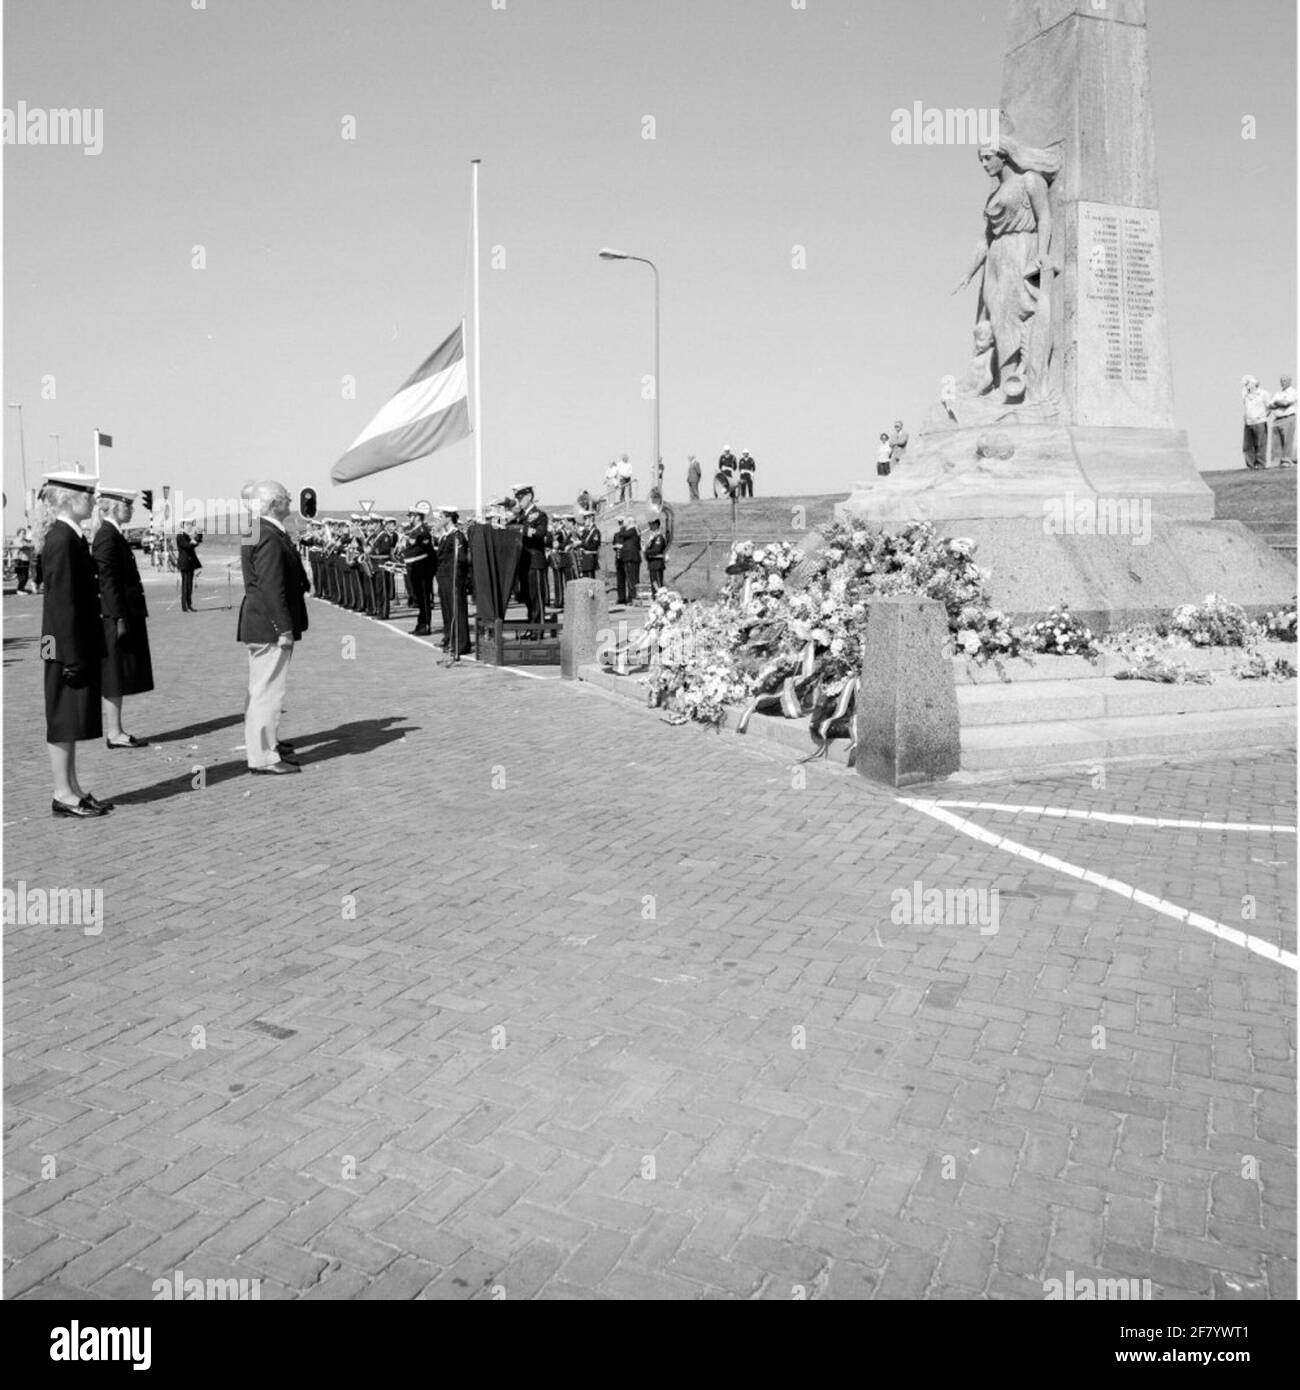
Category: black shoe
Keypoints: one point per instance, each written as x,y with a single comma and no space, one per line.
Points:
131,742
279,769
422,632
90,799
82,810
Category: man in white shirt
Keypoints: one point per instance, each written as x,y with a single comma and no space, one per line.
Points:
1254,436
624,469
1281,411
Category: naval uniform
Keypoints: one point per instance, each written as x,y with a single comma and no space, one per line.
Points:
656,548
535,522
127,666
73,637
419,575
589,555
453,574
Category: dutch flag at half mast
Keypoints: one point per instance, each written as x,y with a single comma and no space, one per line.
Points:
429,411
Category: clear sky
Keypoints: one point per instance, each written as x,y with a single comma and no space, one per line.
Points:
327,257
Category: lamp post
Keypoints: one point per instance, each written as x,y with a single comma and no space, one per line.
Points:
22,451
608,254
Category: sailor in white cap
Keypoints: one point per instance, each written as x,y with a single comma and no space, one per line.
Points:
419,559
72,636
589,542
534,523
453,584
127,668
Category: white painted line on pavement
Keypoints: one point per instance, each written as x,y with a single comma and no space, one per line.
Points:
1114,818
1111,885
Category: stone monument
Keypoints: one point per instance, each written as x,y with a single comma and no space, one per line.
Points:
1055,445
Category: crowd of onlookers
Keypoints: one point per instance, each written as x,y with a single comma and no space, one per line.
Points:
1269,420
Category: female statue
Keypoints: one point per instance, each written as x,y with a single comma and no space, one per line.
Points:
1013,323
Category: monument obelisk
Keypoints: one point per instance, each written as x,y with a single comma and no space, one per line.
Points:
1065,410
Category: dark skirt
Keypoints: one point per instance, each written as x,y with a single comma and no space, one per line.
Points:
71,714
128,667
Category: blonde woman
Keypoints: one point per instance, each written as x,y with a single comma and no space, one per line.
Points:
72,637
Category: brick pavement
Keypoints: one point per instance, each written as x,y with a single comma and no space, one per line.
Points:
516,990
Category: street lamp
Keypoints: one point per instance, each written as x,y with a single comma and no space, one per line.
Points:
606,253
22,450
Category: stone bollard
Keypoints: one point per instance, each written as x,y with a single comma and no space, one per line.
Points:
586,615
908,726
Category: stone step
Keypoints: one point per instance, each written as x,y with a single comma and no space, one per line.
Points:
1003,747
1072,701
1064,668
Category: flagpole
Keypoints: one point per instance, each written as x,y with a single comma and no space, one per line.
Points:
478,415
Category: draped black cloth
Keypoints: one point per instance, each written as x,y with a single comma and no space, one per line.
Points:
495,552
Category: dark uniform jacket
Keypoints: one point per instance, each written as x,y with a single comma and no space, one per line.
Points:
71,611
453,551
535,523
589,540
655,549
187,557
727,461
631,545
275,583
121,591
419,547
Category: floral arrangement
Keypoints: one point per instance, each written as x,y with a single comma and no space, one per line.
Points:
780,640
1281,624
1061,634
1150,665
1213,623
1257,667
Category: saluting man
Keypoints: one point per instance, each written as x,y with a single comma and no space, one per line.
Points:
534,523
127,667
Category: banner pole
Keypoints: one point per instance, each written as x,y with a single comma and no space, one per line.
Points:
478,399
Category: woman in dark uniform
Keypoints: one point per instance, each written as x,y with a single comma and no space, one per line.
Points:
127,667
72,637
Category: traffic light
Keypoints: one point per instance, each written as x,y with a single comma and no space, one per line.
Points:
146,498
307,502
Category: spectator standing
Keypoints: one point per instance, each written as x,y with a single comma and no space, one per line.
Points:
693,479
746,467
1254,434
22,558
897,445
883,455
1282,416
624,470
655,556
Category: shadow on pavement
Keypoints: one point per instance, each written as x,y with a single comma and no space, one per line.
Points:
359,736
206,726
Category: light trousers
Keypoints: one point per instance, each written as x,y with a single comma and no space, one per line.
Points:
268,674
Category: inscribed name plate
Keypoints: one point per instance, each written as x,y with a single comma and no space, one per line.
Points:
1123,351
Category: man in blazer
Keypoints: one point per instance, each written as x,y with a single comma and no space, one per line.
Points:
187,561
272,617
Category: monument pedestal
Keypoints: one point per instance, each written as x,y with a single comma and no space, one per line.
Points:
1068,472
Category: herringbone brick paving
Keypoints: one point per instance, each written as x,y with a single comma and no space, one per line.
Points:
516,990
